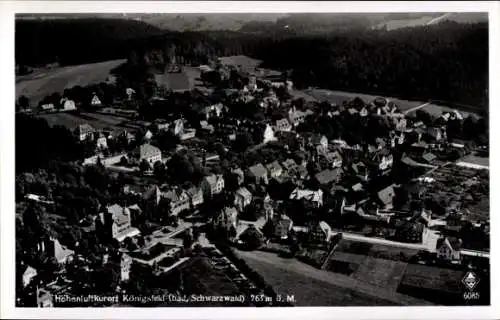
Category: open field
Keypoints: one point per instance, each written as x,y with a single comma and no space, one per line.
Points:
433,278
439,285
473,159
340,96
41,84
347,248
381,272
243,62
437,110
313,287
98,121
204,278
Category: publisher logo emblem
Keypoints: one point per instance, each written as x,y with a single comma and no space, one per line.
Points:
470,280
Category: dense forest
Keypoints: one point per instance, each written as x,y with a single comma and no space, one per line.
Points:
447,61
76,41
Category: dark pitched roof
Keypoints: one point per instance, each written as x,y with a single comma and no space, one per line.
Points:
386,195
358,166
258,170
409,161
328,176
429,157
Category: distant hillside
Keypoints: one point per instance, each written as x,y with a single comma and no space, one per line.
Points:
433,18
75,41
318,23
204,22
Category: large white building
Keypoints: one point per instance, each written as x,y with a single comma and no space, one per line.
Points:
148,152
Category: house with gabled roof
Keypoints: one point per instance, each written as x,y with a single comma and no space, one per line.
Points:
212,185
326,177
62,254
283,125
227,217
101,141
448,248
334,159
289,165
360,170
297,116
268,134
258,174
319,233
125,266
148,152
68,105
363,112
121,224
240,175
47,107
282,227
178,200
320,142
274,169
242,198
434,134
383,159
313,197
84,131
28,275
214,110
196,196
386,196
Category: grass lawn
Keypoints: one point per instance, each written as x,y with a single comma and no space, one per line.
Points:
439,285
39,85
201,277
244,62
348,249
368,269
380,272
437,110
311,292
433,278
483,161
98,121
340,96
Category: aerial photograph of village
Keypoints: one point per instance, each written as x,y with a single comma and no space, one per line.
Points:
258,160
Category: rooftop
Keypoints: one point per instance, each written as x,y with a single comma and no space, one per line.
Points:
147,150
258,170
328,176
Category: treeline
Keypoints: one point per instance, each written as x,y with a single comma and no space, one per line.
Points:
76,41
448,61
37,143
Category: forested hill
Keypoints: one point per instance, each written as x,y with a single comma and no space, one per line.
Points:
76,41
447,61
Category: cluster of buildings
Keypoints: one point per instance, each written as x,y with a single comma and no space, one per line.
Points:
320,181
